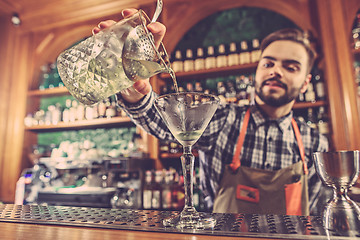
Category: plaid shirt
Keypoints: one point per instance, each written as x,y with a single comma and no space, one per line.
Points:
269,144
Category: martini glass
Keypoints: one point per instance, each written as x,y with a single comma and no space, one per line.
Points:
187,115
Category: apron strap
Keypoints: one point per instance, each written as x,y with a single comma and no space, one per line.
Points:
235,164
300,143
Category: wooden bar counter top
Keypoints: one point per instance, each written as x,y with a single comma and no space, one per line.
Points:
38,222
23,231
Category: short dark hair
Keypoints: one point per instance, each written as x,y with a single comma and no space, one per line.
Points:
295,35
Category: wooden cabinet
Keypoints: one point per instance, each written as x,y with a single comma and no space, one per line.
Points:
48,27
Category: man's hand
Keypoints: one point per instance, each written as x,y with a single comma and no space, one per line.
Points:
141,87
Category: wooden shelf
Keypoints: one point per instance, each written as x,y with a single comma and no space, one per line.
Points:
309,104
214,72
49,92
175,155
83,124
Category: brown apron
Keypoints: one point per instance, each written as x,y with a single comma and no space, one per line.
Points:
252,190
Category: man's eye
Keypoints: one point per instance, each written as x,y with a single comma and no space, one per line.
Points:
292,68
266,65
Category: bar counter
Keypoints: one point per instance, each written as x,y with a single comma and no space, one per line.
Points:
38,222
20,231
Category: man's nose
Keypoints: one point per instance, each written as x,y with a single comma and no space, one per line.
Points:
276,70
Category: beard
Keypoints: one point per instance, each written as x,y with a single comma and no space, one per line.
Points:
290,94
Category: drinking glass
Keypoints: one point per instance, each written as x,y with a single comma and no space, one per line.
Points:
187,115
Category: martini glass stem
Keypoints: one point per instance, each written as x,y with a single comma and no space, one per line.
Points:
187,162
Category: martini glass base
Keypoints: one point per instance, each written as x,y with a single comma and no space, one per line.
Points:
190,220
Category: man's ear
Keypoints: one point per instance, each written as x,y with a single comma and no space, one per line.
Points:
306,83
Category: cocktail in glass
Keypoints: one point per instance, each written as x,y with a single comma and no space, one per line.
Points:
187,115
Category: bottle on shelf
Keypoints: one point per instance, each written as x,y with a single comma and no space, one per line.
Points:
221,91
311,121
233,56
73,111
310,95
166,190
199,62
80,112
66,111
189,87
255,51
221,58
230,94
319,85
210,60
178,64
241,85
110,108
44,77
356,32
147,191
244,56
323,121
189,61
156,190
198,87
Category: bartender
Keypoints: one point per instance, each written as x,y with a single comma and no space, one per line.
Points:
255,159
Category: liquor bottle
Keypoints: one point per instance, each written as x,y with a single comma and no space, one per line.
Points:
178,64
221,59
199,62
319,85
56,114
323,121
356,32
233,56
221,91
166,190
198,87
255,51
189,87
310,93
174,189
189,61
66,111
244,56
44,77
102,108
210,61
230,94
241,90
73,111
156,191
147,191
80,112
110,108
311,118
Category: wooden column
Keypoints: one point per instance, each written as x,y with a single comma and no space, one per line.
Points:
339,74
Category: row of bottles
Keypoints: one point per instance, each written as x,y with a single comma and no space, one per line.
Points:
164,190
241,90
236,89
73,111
49,77
316,90
356,31
316,117
216,56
